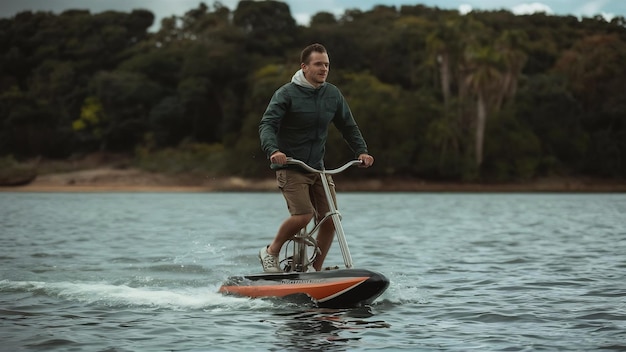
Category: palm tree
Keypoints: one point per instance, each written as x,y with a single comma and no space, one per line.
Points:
444,46
509,46
484,82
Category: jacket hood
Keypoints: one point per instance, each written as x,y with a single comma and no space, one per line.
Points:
299,79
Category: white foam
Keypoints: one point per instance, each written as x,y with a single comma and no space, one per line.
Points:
121,295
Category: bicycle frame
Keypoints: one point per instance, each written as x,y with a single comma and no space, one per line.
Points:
300,260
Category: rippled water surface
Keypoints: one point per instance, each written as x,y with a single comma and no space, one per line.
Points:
469,272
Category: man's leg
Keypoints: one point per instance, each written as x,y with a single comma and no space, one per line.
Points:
288,229
295,188
326,233
324,240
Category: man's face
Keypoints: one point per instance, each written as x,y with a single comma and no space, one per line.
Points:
316,70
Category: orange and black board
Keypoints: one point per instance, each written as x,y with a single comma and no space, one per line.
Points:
341,288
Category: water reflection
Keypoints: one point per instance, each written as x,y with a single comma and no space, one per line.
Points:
323,329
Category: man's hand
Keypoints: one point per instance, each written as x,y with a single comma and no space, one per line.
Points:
366,159
278,158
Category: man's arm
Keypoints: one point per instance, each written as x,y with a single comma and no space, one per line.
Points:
345,123
270,123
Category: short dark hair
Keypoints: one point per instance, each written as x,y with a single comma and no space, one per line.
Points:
306,53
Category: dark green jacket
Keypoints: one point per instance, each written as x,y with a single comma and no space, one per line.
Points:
296,123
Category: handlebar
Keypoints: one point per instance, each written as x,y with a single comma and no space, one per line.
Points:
330,172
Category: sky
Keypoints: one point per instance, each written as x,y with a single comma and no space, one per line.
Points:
302,10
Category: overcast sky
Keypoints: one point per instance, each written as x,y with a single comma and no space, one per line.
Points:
302,10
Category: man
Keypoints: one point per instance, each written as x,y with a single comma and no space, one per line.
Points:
295,124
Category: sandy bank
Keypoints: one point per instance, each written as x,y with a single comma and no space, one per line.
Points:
134,180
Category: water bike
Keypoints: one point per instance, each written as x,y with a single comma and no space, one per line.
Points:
329,288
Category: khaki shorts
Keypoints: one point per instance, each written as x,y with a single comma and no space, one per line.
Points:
304,192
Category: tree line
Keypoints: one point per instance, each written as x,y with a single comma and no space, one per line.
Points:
487,95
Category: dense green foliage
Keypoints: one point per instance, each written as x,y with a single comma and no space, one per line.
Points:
438,95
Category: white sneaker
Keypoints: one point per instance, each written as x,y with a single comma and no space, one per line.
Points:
269,262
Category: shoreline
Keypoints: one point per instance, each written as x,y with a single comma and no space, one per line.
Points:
134,180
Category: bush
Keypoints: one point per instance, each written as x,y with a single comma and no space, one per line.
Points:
14,174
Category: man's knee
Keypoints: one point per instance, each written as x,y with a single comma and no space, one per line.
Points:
302,218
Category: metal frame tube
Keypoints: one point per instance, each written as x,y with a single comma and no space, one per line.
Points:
335,216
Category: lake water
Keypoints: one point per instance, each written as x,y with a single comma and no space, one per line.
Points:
468,272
